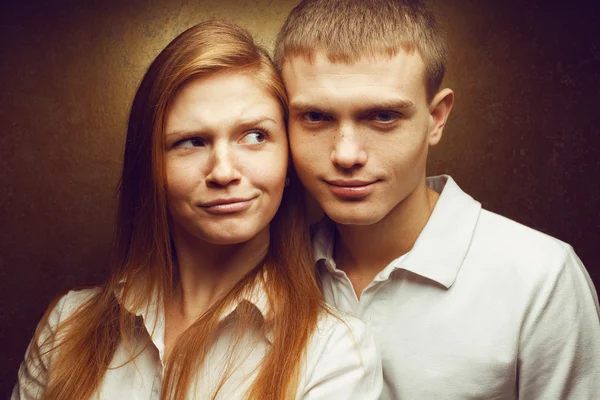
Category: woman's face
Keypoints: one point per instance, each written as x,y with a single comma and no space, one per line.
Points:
226,158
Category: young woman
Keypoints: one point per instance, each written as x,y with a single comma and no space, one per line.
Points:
212,293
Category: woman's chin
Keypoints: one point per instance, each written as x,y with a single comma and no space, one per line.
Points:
231,237
224,240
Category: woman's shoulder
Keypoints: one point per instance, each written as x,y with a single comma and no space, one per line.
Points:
76,297
33,373
65,305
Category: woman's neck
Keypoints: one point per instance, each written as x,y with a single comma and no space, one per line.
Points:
208,271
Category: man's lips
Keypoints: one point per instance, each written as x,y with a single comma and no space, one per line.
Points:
227,205
351,188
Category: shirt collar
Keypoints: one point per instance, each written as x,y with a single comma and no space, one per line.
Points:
256,295
442,245
153,313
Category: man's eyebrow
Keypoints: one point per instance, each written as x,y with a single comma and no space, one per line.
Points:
404,105
398,105
302,107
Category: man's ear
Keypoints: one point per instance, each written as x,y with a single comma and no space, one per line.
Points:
439,109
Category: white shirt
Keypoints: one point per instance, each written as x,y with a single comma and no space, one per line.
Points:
342,361
480,308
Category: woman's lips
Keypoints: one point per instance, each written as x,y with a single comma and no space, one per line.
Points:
227,206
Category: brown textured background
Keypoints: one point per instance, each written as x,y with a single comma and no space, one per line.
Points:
522,138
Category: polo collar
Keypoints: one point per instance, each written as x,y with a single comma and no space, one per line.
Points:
442,245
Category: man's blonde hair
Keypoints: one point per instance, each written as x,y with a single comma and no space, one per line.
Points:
347,30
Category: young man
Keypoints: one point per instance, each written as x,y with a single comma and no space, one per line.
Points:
465,304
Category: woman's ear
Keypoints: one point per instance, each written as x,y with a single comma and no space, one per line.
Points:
439,109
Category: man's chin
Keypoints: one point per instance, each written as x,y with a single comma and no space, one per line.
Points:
353,218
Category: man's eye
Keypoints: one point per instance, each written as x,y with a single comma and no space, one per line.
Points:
254,137
314,116
189,143
386,116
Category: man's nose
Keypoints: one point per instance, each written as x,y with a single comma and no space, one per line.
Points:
348,151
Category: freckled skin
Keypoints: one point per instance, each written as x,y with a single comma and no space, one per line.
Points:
377,128
225,138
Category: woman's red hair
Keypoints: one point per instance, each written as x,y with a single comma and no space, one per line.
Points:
143,260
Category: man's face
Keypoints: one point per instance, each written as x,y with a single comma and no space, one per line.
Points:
359,133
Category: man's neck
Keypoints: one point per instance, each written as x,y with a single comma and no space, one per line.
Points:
363,251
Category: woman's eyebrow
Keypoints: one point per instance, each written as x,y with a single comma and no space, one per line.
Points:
244,123
255,120
183,132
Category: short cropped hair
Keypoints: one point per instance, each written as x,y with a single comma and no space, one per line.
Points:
347,30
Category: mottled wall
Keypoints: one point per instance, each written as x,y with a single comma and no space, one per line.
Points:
522,138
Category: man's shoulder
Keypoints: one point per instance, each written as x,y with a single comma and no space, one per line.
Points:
502,227
490,245
512,245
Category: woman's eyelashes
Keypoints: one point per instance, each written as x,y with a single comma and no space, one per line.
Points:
188,143
253,137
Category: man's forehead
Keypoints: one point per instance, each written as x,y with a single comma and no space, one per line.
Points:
320,58
403,72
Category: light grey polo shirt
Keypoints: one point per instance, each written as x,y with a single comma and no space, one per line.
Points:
480,308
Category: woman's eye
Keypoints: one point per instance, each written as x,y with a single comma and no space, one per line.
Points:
189,143
314,116
386,116
255,137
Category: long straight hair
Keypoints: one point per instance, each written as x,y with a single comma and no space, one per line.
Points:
143,261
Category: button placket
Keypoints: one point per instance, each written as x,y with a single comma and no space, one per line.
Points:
344,294
156,386
374,303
